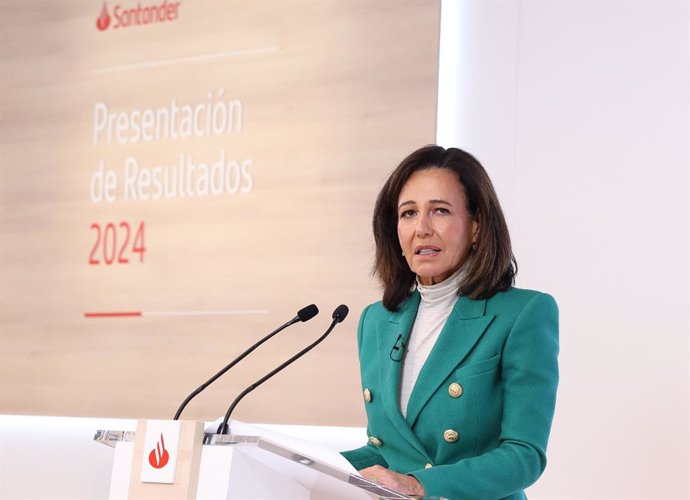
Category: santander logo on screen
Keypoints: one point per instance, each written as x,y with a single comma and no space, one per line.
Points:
103,21
139,15
159,456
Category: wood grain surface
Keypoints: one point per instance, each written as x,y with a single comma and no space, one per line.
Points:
333,94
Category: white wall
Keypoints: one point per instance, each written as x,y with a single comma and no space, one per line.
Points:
580,112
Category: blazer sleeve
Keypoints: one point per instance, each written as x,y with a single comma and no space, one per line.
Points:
530,377
368,455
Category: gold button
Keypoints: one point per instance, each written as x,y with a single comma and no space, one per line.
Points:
375,441
455,390
450,436
428,466
367,395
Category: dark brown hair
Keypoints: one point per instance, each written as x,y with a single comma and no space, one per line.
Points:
491,266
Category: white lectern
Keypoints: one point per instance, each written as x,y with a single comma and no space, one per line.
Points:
176,460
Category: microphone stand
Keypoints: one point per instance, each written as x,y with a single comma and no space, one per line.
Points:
338,316
304,314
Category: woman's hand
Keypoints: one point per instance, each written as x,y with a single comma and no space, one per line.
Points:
401,483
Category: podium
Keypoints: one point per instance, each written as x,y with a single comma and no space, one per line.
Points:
224,466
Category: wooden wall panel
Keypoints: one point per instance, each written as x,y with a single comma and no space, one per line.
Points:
333,95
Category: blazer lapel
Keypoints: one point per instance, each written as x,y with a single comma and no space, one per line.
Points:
463,329
398,324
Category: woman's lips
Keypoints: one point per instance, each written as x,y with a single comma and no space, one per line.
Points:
426,251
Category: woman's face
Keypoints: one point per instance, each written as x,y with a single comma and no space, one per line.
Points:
434,229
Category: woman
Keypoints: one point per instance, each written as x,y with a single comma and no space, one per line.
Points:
459,369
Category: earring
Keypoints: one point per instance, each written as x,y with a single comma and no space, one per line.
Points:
474,246
403,253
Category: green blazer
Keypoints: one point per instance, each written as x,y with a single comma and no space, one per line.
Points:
490,381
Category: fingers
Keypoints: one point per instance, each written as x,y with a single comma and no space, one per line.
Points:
389,479
380,475
375,473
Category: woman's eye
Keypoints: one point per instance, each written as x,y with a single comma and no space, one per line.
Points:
441,210
407,213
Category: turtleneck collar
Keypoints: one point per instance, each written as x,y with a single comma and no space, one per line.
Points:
442,291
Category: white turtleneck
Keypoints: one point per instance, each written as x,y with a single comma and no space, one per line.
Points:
436,303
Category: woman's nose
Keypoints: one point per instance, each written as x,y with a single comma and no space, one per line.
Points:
424,227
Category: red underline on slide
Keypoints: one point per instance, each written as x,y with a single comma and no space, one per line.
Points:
137,314
124,314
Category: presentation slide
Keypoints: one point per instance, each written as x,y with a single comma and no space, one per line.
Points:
180,178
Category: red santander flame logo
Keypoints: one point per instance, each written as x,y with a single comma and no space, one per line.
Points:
159,456
124,16
103,21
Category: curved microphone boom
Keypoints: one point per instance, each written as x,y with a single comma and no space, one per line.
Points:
339,315
304,314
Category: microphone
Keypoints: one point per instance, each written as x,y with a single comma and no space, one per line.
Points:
304,314
398,349
339,315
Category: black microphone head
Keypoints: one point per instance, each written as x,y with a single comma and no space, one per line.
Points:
340,313
307,313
